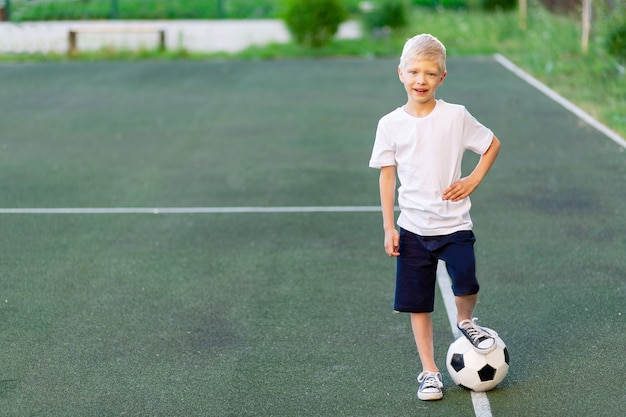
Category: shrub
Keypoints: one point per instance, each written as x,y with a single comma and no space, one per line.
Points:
446,4
499,4
616,42
392,14
314,22
426,3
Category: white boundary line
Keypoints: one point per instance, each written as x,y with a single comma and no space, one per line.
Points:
482,408
560,99
192,210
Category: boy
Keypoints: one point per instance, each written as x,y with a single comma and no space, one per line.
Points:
425,140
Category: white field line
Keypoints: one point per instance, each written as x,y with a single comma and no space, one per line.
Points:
482,408
560,99
192,210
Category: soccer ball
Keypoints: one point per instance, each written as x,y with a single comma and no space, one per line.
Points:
476,371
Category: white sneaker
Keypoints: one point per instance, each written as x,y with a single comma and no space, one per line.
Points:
482,338
431,387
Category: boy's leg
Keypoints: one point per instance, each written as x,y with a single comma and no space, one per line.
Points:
430,378
415,293
465,306
422,326
460,260
461,266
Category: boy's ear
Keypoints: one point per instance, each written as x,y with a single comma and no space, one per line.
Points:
400,74
443,77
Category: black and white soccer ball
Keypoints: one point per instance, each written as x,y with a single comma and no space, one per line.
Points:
476,371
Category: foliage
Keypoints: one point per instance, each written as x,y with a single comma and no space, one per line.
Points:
392,14
28,10
499,4
616,43
142,9
612,27
446,4
455,4
314,22
102,9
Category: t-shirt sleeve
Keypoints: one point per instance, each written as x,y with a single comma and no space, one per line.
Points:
383,153
477,137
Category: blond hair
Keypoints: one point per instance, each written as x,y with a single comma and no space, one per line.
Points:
424,46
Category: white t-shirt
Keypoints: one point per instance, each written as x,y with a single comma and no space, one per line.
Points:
427,152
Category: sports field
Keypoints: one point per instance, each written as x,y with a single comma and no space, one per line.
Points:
161,305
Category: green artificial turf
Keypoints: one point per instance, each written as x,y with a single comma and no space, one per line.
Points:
285,314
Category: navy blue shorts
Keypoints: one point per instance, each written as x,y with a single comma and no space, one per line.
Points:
417,268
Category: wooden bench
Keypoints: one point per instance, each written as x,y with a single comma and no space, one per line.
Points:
73,33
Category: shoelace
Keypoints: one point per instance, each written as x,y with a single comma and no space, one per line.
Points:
431,381
475,332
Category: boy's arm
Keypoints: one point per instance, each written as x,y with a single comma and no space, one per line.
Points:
466,186
387,184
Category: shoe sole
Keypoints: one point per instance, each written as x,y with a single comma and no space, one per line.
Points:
485,351
430,397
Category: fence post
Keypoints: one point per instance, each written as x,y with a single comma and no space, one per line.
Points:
586,25
162,40
71,41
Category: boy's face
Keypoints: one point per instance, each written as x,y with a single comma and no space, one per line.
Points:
421,78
